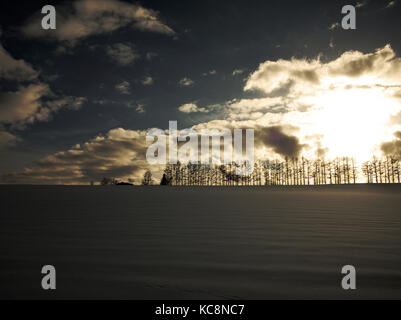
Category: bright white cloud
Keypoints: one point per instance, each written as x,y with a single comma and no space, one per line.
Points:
191,108
353,68
342,107
348,102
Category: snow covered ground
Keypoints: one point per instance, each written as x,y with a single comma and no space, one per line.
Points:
200,242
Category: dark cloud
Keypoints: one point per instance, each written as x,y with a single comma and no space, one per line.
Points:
6,138
122,53
22,105
84,18
27,105
280,142
307,75
392,148
14,69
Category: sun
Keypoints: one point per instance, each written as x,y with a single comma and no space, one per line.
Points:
353,122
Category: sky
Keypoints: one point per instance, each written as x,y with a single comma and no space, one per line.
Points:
76,102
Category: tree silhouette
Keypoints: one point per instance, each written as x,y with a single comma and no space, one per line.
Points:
290,171
164,181
147,178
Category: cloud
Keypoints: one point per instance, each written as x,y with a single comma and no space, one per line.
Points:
122,53
237,72
334,25
255,108
151,55
211,72
123,87
148,81
185,82
281,143
191,108
121,154
7,139
22,105
67,102
118,154
392,148
273,75
381,63
351,68
349,101
391,4
140,108
271,141
27,105
13,69
84,18
340,107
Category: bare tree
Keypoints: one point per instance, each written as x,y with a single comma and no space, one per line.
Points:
290,171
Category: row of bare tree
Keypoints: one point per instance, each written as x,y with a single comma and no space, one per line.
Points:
385,170
285,172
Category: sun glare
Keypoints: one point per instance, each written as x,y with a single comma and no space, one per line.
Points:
354,121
